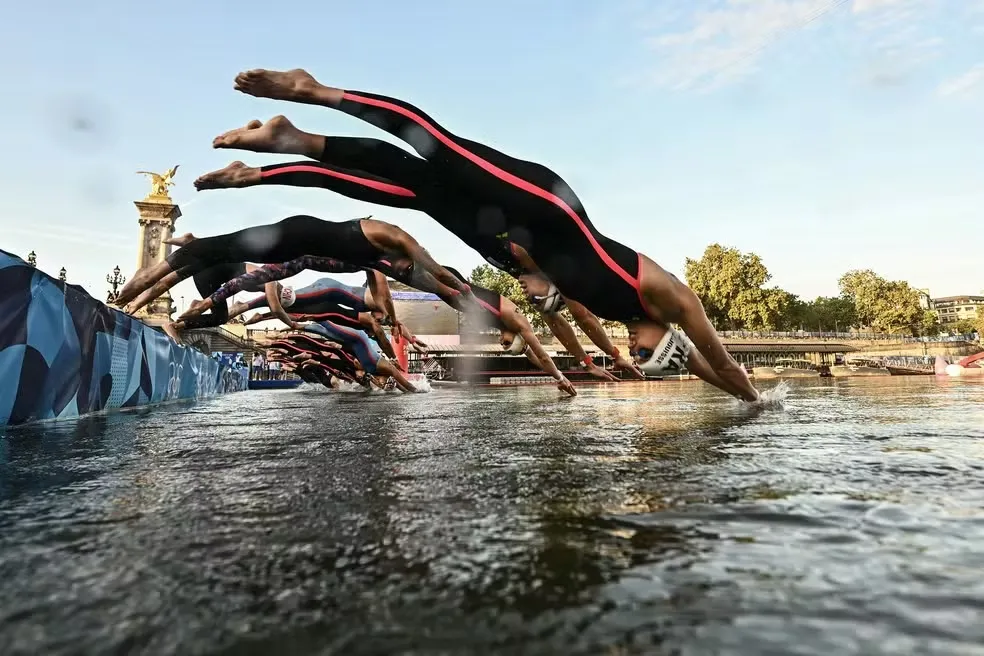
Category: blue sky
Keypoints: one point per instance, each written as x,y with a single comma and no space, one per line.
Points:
824,135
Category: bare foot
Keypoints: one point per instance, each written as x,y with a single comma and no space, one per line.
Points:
278,135
172,332
235,175
183,240
295,85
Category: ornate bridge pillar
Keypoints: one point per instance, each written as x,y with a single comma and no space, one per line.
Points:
158,214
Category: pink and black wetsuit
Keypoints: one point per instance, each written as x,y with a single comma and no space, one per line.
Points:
277,242
486,198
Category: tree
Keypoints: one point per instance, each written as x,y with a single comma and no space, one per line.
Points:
863,288
505,285
930,324
730,285
834,313
979,324
885,305
964,326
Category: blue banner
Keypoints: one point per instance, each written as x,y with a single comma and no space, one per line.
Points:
64,354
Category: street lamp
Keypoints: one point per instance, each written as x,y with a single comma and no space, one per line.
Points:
63,275
114,279
32,259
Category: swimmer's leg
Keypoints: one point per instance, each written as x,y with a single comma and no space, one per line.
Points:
355,184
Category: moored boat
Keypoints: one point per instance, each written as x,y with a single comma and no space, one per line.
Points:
788,368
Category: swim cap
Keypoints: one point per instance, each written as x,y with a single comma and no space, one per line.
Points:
287,297
670,355
518,346
551,302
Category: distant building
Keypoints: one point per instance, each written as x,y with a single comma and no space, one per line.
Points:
422,313
951,309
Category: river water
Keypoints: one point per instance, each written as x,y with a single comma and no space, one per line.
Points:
636,518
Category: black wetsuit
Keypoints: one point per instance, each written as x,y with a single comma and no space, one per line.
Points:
488,300
379,172
480,194
277,242
207,282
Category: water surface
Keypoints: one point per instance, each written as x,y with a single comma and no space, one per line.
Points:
655,518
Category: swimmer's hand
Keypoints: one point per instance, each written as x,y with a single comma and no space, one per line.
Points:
598,372
629,367
398,330
564,385
197,308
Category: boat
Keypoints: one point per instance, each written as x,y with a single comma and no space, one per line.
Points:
972,366
909,370
859,368
788,368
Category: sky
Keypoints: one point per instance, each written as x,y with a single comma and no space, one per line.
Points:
823,135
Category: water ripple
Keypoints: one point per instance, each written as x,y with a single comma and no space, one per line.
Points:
632,519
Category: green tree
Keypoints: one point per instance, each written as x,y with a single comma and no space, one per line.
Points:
884,305
979,324
504,284
833,313
730,285
963,327
930,324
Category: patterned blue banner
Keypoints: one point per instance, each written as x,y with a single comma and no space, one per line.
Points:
64,354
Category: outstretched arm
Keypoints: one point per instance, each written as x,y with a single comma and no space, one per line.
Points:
592,327
379,335
518,323
565,333
404,242
389,369
380,290
694,322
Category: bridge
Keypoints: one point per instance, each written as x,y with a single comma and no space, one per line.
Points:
218,340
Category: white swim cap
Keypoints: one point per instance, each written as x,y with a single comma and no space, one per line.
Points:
287,297
552,301
518,346
670,355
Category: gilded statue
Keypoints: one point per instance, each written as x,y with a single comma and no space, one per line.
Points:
161,182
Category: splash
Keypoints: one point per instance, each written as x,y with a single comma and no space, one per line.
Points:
774,398
421,383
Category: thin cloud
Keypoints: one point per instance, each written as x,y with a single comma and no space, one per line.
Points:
963,83
721,46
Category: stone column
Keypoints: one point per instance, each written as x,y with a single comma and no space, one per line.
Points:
157,217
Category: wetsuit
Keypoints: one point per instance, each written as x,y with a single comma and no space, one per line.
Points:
478,193
357,342
339,363
277,242
381,173
305,341
207,282
279,271
321,296
488,300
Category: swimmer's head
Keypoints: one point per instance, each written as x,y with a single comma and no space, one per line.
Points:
512,343
541,293
659,350
287,296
